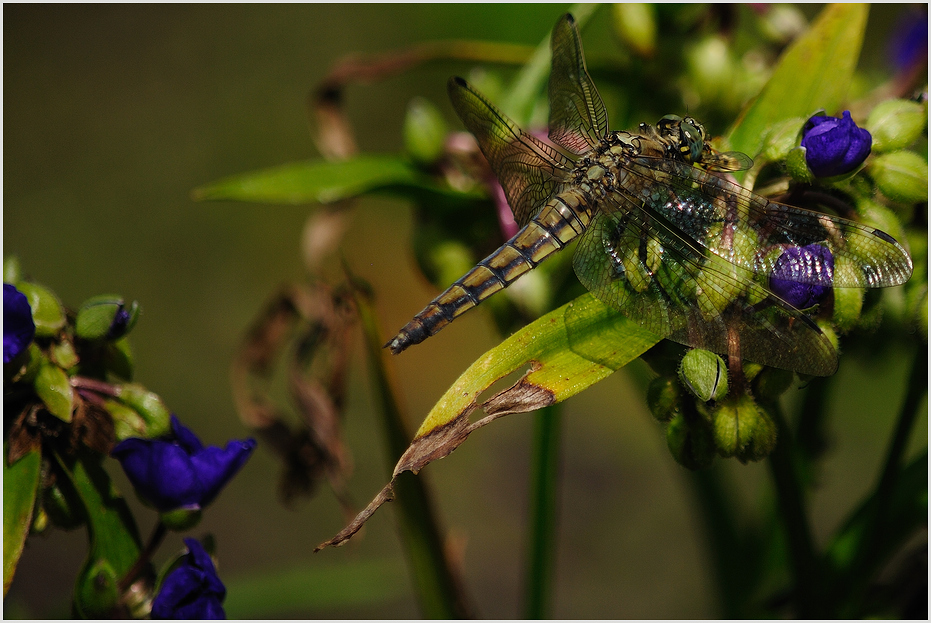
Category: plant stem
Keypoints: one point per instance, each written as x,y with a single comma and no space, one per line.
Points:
805,565
435,578
541,551
155,541
916,389
723,540
873,548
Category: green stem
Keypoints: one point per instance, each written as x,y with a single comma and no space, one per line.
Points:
805,564
811,438
872,550
916,389
158,535
436,580
541,551
723,541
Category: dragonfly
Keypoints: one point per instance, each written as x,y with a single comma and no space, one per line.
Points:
664,237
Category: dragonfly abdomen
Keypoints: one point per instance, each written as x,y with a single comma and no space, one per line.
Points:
563,218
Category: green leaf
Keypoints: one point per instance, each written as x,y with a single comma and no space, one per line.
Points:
20,481
814,72
321,181
114,539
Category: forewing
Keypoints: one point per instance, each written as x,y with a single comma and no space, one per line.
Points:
529,170
578,119
751,232
653,274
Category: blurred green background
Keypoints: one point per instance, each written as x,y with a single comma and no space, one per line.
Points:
112,114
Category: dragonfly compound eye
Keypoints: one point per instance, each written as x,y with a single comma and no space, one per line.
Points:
691,139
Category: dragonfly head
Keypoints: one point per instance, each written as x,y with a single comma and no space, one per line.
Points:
684,137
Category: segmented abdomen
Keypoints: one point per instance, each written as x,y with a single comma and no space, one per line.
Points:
564,217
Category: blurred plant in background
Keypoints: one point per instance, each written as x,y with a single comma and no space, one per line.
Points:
718,63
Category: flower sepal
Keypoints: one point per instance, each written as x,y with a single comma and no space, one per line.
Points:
896,124
47,312
105,317
156,418
743,430
901,176
182,519
704,374
663,398
690,441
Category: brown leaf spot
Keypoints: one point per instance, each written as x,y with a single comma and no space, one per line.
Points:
519,398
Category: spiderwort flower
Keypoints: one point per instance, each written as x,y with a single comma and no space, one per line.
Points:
802,276
834,146
18,326
179,472
192,590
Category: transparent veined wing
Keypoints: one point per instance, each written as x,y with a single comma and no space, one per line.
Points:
751,232
578,118
660,277
529,170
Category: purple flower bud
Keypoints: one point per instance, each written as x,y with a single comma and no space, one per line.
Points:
834,146
192,590
120,321
180,472
802,276
18,326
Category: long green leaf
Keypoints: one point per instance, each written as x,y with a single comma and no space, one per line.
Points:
20,482
814,72
321,181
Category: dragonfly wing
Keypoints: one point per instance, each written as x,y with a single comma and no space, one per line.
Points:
751,232
661,278
578,118
529,170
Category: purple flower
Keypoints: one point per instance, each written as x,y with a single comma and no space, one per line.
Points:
180,472
192,590
802,276
834,146
18,327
